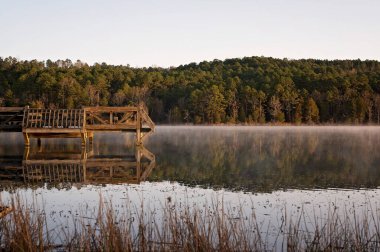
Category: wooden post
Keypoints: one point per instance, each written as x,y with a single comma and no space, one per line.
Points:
111,172
138,163
83,129
91,137
83,126
138,127
90,151
24,118
84,171
83,137
26,152
83,153
26,139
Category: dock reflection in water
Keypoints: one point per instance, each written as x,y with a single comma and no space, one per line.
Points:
40,167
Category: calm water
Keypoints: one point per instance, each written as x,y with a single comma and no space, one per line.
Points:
263,159
253,159
268,169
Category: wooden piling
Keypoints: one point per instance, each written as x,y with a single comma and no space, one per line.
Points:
138,128
26,139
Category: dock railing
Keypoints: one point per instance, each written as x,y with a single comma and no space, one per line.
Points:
53,118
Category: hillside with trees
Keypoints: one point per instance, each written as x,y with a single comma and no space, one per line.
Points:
247,90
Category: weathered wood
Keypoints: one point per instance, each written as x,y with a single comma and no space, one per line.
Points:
26,139
43,123
11,109
51,162
55,135
126,117
90,135
138,129
91,115
83,137
108,109
51,130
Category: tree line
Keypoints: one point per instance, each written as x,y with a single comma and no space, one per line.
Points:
247,90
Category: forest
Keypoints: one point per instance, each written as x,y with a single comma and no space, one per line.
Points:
249,90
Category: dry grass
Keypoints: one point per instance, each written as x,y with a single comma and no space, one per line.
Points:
211,228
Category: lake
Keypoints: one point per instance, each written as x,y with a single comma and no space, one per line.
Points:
277,172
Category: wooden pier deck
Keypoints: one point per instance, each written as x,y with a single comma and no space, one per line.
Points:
78,123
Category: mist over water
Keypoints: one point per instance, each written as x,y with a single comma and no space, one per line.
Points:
268,158
253,159
274,171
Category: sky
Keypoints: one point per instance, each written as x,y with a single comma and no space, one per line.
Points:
170,33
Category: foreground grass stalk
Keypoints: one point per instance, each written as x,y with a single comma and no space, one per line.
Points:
210,228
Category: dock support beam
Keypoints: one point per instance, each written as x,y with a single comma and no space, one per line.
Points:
26,152
138,128
90,136
83,137
26,139
138,162
138,137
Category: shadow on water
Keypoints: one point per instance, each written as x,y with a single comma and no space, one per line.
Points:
55,165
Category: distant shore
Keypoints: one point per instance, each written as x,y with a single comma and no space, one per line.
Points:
270,125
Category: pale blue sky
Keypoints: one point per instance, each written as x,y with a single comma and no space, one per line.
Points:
170,33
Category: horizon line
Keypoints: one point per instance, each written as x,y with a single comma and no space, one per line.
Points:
189,63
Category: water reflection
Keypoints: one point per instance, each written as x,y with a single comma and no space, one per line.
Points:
256,159
268,158
39,167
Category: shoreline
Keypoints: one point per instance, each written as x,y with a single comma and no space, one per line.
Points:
267,125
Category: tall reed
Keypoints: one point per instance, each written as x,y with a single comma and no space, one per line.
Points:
208,228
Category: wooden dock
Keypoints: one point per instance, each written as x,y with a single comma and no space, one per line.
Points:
77,123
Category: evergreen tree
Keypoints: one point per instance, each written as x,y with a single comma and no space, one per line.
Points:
251,89
312,111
